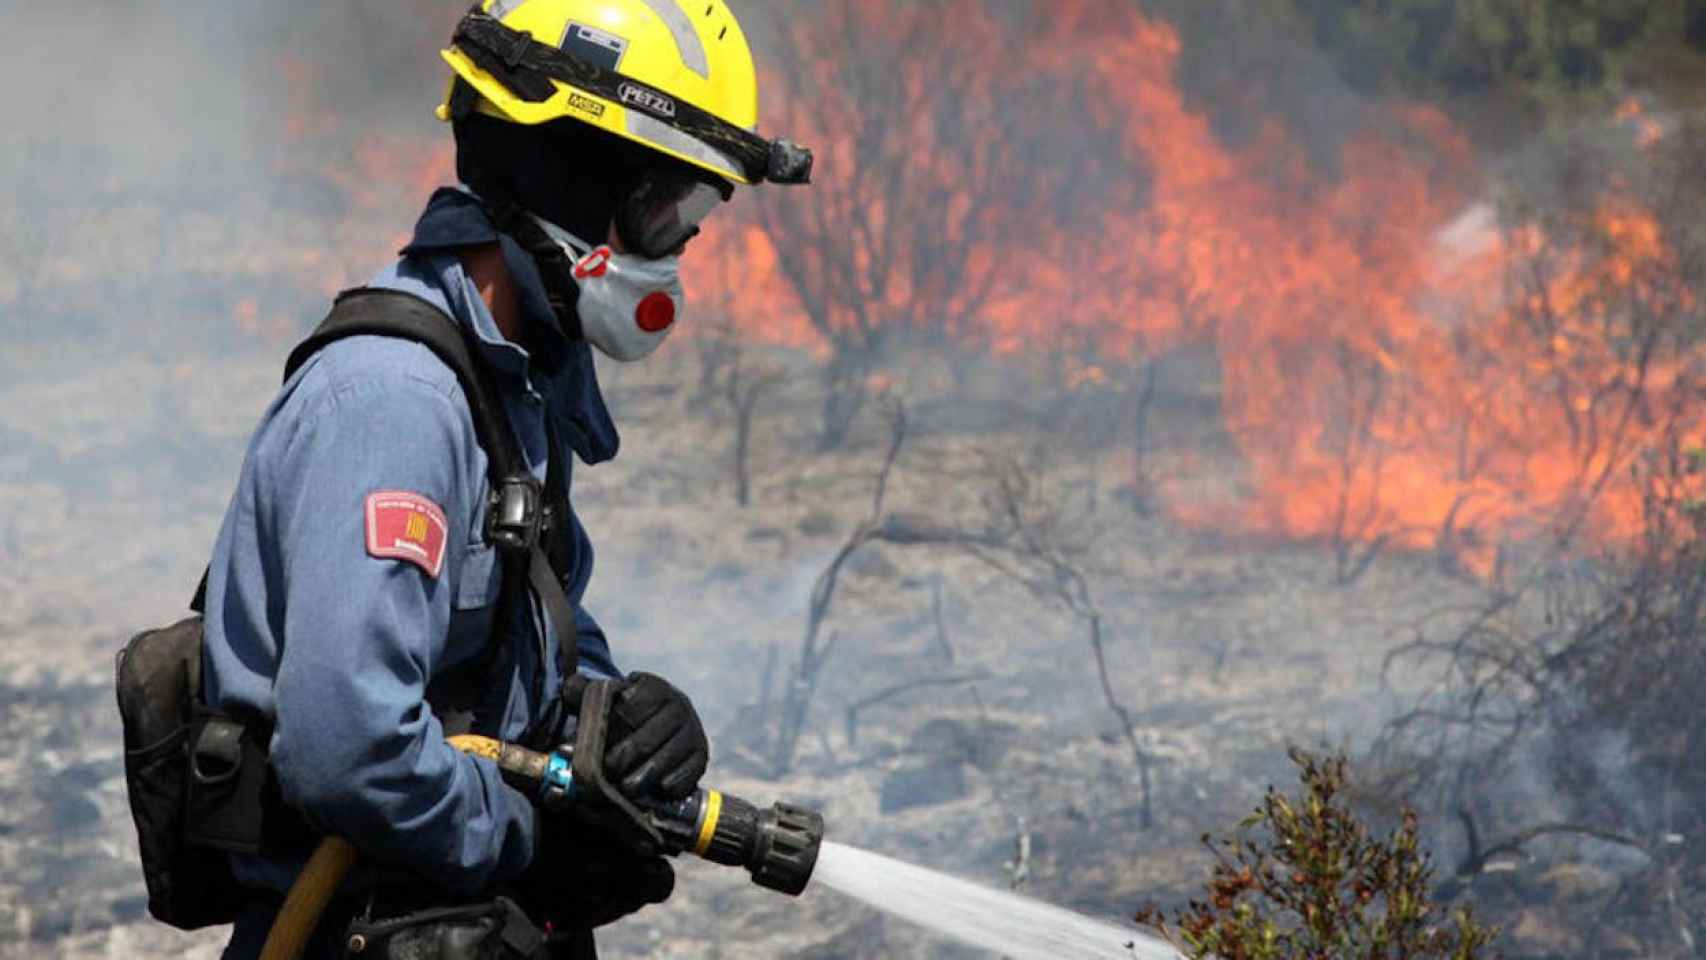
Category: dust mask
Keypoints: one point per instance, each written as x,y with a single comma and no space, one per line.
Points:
627,303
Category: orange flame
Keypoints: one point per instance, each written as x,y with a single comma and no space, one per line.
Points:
1633,113
1397,365
1380,378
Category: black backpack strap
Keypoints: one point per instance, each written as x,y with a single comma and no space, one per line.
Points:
515,516
395,313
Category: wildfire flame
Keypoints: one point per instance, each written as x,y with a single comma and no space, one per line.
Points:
1398,365
1648,130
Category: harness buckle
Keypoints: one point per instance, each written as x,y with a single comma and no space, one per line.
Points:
515,514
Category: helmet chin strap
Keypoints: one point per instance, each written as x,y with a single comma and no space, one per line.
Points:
555,267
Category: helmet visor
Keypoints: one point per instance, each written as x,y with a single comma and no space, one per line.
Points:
664,212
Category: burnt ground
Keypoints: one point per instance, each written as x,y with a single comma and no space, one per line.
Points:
115,468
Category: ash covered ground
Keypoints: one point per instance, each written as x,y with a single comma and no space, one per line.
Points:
117,469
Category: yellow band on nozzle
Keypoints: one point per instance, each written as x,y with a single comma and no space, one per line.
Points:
708,823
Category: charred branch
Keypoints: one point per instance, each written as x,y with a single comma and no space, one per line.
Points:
814,655
1032,542
888,693
1019,868
1515,844
745,387
1143,480
718,348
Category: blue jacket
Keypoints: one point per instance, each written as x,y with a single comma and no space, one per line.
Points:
335,644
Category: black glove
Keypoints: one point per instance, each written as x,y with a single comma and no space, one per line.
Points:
656,747
582,878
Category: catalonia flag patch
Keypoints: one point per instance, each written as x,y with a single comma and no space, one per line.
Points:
406,526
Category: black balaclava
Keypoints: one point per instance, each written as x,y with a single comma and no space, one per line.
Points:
566,171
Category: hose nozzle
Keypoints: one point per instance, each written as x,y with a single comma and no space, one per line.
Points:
778,845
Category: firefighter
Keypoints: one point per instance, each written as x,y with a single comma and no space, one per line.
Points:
356,608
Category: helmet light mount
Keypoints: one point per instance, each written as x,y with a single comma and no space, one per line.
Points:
789,163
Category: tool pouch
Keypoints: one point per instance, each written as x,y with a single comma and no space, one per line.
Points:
199,783
496,930
228,785
158,684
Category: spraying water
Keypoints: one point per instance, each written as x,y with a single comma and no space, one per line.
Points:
1014,926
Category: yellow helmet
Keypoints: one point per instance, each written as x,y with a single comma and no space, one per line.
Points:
672,75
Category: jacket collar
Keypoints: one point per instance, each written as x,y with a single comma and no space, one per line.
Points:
562,367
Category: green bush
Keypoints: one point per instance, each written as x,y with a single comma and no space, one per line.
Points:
1305,877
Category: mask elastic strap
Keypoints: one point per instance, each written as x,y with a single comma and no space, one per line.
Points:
577,248
554,265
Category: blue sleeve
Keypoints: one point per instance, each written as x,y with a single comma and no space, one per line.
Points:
595,657
355,746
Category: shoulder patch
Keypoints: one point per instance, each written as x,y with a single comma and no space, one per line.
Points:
406,526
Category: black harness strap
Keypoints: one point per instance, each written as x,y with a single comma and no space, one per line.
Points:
518,521
394,313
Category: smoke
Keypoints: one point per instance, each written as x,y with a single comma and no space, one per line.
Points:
166,161
172,94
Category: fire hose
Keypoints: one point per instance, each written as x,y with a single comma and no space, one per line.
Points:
778,846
